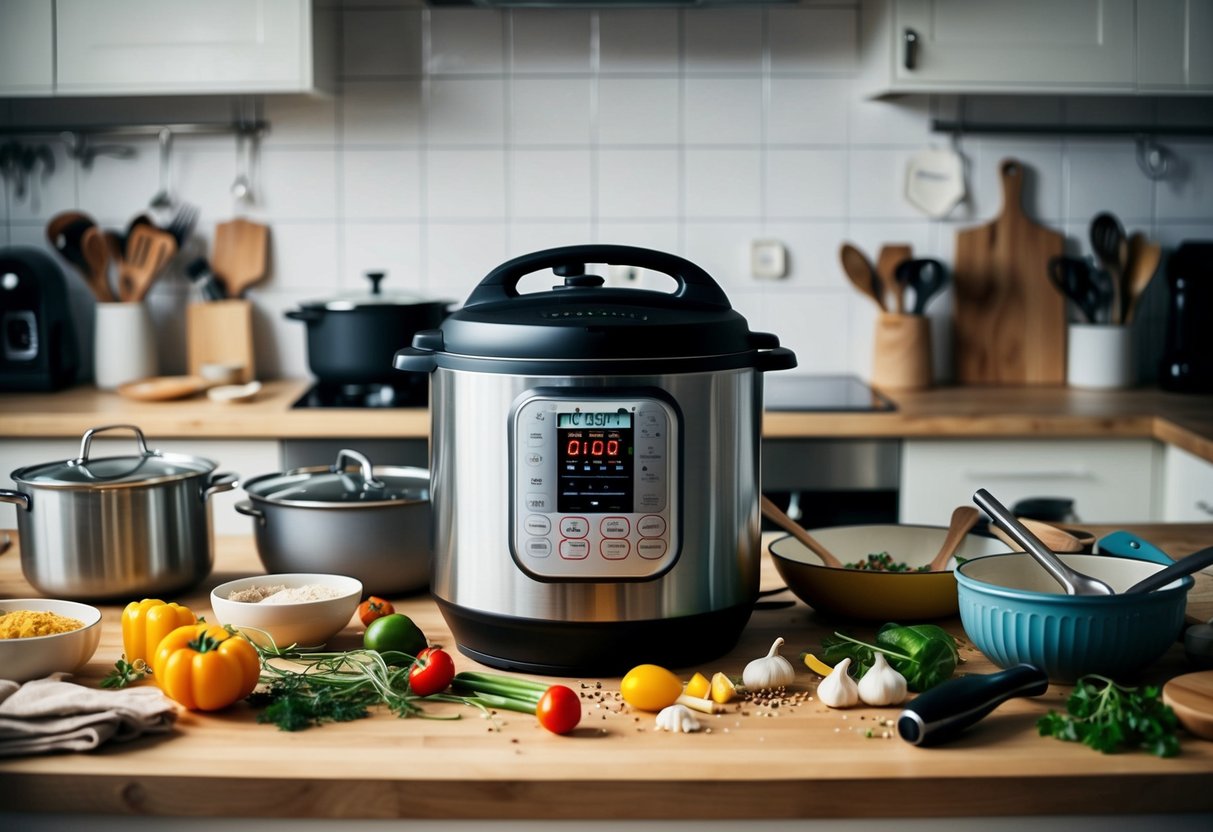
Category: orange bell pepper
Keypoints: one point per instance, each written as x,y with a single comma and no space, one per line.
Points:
206,667
145,622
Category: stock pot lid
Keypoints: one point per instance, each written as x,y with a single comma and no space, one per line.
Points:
376,298
116,470
343,485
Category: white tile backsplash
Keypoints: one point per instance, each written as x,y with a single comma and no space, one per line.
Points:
458,138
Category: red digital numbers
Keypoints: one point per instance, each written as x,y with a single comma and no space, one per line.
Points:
592,448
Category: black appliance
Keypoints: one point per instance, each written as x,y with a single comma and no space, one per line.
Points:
37,339
411,391
1187,360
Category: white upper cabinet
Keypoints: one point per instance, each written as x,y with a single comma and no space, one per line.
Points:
166,47
27,55
1173,49
1087,47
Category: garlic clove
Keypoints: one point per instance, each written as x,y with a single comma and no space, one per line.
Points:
838,690
677,719
770,671
882,685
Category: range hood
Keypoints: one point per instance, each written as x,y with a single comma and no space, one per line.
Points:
603,4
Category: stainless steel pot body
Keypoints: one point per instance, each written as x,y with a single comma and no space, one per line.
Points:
97,543
387,547
718,563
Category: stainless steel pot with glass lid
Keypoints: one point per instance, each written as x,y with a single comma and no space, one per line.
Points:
595,465
128,526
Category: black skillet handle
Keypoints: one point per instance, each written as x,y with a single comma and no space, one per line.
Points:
941,713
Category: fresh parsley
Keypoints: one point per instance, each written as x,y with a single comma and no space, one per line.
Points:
1109,718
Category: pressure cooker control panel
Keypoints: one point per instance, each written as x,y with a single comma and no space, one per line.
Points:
594,487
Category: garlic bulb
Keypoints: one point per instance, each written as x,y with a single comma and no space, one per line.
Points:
838,690
771,671
882,685
678,719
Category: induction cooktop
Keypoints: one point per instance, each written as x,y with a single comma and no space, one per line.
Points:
829,393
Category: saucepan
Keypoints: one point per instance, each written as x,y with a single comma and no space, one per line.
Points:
135,525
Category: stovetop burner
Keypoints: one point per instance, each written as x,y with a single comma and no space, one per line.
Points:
822,393
413,392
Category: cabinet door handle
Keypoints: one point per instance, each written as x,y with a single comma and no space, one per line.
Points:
1039,474
910,39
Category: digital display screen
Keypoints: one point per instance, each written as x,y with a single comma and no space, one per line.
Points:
594,459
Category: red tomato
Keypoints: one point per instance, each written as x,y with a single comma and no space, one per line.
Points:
372,608
432,672
559,709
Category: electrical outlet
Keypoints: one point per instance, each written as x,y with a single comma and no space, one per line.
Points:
768,260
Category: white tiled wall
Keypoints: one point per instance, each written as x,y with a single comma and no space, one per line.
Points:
460,138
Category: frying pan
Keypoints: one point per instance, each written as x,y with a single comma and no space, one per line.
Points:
876,596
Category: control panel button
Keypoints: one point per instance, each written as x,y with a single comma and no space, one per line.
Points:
651,525
538,547
574,549
537,525
574,527
615,549
651,548
615,527
537,502
534,459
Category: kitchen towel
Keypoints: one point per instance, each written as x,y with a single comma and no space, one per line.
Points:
45,715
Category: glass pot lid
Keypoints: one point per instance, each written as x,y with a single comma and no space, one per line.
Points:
143,468
348,482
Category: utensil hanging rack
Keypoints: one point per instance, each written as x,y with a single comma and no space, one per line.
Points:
1155,160
79,139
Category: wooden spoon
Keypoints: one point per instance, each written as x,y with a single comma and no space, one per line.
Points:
96,254
1144,257
862,275
963,519
240,253
1058,540
890,257
776,516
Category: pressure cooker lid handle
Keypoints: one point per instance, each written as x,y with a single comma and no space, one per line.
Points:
694,284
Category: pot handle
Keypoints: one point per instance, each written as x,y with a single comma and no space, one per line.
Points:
218,483
87,441
418,359
694,284
306,315
18,498
245,507
1126,545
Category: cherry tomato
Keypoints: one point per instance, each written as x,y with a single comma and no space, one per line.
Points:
432,672
559,709
372,608
396,633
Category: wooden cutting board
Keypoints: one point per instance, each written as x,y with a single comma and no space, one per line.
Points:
1009,325
1191,697
240,254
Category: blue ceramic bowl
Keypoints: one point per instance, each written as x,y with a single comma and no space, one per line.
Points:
1014,612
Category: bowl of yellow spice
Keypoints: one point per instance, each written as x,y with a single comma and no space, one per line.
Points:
39,636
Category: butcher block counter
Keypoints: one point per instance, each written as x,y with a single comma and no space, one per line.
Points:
1040,412
799,760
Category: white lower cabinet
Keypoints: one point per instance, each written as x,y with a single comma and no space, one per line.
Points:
245,457
1109,480
1187,487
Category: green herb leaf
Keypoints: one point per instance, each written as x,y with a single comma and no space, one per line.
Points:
125,673
1110,718
925,654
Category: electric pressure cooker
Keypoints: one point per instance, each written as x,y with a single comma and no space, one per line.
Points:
594,464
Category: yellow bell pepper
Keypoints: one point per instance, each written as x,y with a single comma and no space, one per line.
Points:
145,622
206,667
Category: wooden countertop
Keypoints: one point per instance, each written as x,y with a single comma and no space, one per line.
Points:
1178,419
800,761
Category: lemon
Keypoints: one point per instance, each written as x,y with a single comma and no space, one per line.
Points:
650,687
817,665
723,689
698,686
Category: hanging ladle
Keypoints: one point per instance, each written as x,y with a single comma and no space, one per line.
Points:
1074,583
164,197
773,513
1186,566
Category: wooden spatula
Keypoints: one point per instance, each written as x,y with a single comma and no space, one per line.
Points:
1144,257
148,250
859,270
97,256
239,256
890,257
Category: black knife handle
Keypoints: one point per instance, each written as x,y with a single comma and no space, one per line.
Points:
945,710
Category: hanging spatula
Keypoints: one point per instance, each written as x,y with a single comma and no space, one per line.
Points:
240,253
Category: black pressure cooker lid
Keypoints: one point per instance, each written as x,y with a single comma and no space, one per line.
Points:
375,298
583,320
